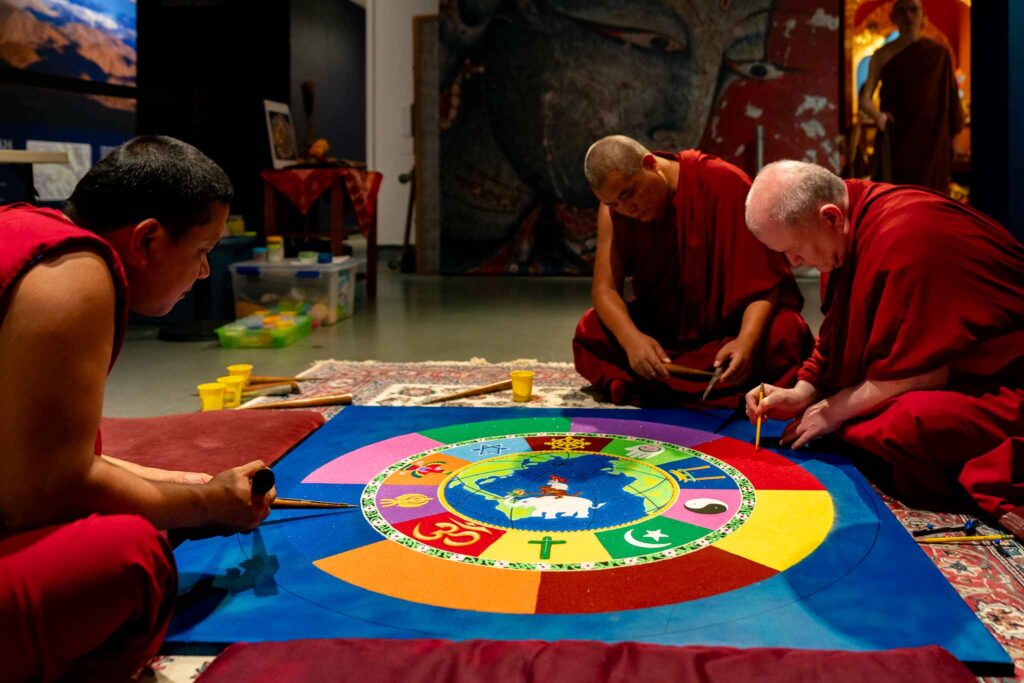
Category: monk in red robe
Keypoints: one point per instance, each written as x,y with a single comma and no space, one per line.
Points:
920,102
920,357
706,294
87,582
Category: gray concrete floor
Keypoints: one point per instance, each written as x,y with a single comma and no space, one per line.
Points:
413,319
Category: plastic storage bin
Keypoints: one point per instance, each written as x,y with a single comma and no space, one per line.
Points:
265,330
326,292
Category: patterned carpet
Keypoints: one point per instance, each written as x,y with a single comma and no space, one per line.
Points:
990,582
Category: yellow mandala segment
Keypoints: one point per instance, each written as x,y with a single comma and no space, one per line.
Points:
784,528
562,548
392,569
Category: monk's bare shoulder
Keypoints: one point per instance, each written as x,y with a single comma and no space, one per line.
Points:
884,54
72,291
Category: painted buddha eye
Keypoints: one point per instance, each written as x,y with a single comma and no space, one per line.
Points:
649,40
757,69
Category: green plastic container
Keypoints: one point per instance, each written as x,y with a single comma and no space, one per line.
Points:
242,334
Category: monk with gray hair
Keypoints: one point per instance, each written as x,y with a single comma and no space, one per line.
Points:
705,293
920,358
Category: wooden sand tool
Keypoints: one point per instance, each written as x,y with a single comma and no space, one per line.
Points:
486,389
270,390
684,371
268,379
329,400
297,504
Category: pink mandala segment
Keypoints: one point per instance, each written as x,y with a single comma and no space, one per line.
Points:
363,464
708,508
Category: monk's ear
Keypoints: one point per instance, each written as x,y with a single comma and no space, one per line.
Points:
832,217
144,240
649,162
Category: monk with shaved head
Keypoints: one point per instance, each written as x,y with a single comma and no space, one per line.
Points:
706,294
920,358
920,111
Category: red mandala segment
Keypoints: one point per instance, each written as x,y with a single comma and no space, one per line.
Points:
445,531
696,575
765,469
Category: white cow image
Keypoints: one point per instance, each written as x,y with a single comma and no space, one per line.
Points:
550,507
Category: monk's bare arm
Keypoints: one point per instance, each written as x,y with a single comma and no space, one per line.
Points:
606,289
646,357
867,91
739,353
156,474
56,337
828,415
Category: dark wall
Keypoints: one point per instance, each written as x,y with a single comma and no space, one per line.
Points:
329,48
1016,115
997,126
205,67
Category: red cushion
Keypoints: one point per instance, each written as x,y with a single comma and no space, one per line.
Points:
488,661
207,442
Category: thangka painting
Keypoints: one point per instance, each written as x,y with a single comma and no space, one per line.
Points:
528,85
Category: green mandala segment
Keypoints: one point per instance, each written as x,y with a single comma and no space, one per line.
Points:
456,434
650,536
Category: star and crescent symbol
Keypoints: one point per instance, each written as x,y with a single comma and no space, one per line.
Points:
653,534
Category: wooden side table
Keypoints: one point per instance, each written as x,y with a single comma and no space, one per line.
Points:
303,187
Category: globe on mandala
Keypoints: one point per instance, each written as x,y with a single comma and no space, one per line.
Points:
558,491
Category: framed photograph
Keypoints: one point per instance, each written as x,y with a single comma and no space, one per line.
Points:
281,132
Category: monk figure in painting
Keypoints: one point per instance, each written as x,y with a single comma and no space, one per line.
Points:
706,293
920,357
920,103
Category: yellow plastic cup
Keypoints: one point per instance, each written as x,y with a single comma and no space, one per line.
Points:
243,370
522,385
211,395
232,390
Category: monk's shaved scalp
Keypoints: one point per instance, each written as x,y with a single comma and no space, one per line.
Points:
613,153
788,192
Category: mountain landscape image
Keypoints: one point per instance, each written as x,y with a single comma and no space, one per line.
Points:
89,39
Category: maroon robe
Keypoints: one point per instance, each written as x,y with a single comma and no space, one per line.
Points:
694,273
920,91
928,283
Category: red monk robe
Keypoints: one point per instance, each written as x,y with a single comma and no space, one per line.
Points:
919,90
693,274
928,283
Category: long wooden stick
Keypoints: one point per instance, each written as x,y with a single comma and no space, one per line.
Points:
486,389
268,379
684,371
967,539
296,503
330,400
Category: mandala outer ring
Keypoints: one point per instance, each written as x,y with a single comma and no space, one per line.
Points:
373,516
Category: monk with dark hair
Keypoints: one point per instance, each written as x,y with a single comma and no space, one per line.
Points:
706,294
87,582
920,103
920,358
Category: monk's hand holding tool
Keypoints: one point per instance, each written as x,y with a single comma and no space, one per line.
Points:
779,403
646,356
737,355
233,504
816,421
